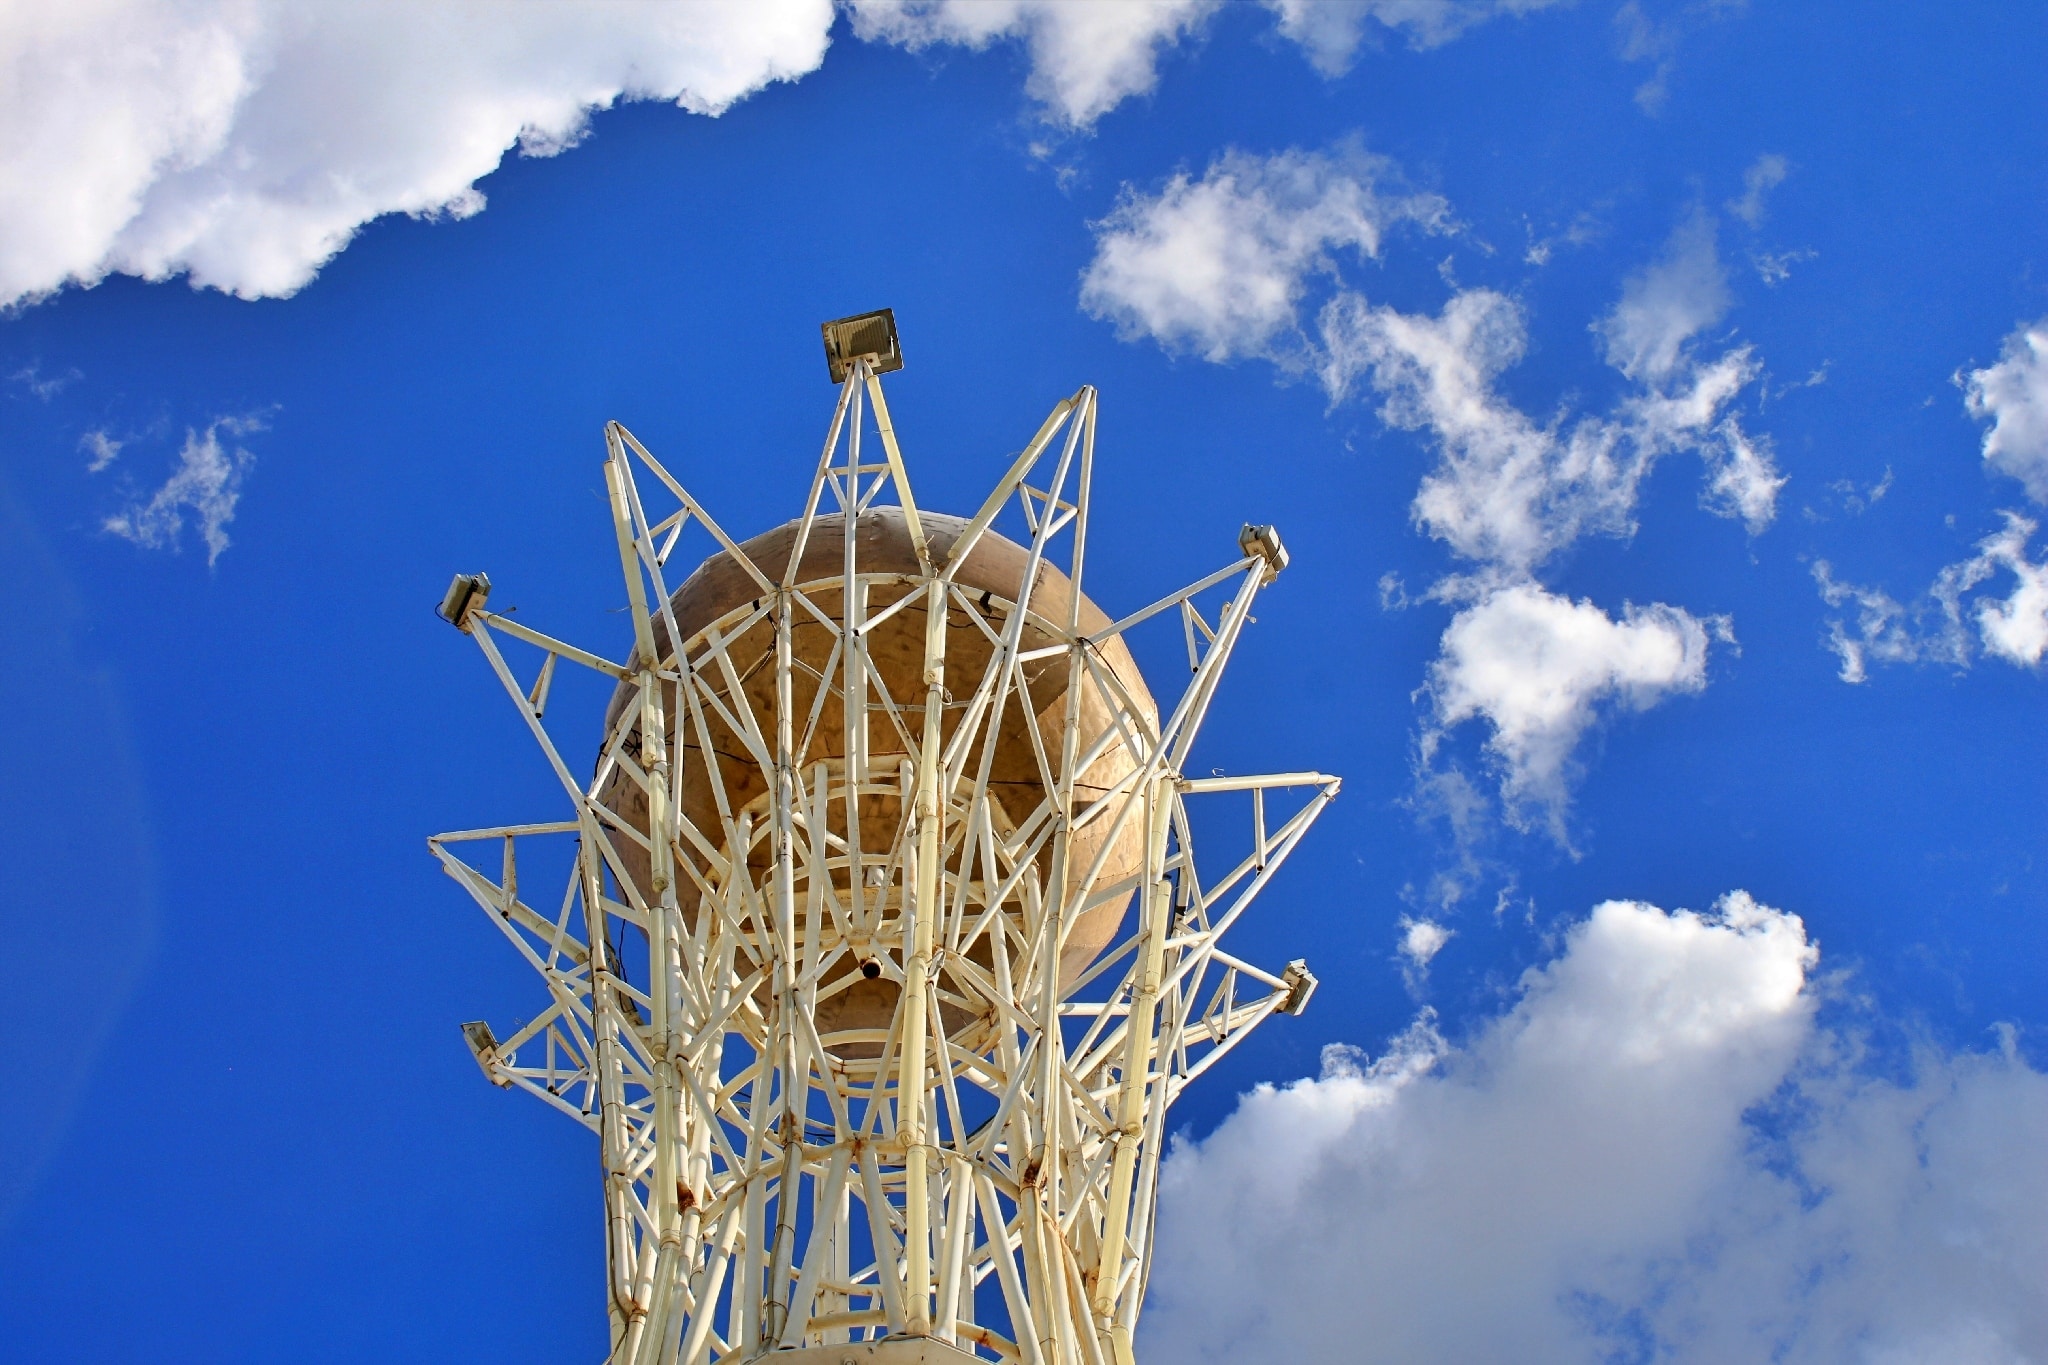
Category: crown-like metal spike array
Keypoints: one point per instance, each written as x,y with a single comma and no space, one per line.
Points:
883,948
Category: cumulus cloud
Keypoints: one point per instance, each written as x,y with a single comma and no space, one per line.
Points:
1939,626
1220,265
1330,32
244,142
2015,628
1537,666
2012,395
1659,1152
1421,941
206,486
1085,59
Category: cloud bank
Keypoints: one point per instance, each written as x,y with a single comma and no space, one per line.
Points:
1658,1152
1227,266
243,143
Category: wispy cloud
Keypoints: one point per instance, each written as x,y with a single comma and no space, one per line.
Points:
1662,1150
1939,626
42,386
1226,266
1775,267
1220,265
1667,303
1953,620
1765,174
204,488
1331,32
101,449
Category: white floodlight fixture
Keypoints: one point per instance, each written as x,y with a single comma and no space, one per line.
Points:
864,336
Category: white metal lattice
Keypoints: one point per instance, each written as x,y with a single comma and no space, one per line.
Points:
979,1166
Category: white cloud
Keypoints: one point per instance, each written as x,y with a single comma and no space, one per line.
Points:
2015,628
1775,267
1658,1153
1742,478
1422,940
1331,31
1884,630
43,386
1643,40
1765,174
103,449
244,142
1667,303
1936,627
1538,667
206,485
1505,491
2013,396
1220,265
1085,58
1226,266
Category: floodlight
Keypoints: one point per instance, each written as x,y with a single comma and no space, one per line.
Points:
1301,984
1264,541
484,1043
468,592
864,336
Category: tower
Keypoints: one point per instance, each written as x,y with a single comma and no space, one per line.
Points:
883,948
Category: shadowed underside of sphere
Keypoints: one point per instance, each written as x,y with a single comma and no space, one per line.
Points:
721,596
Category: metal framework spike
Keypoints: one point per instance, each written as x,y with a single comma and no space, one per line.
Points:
980,1175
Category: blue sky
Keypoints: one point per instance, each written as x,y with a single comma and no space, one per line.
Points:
1654,400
